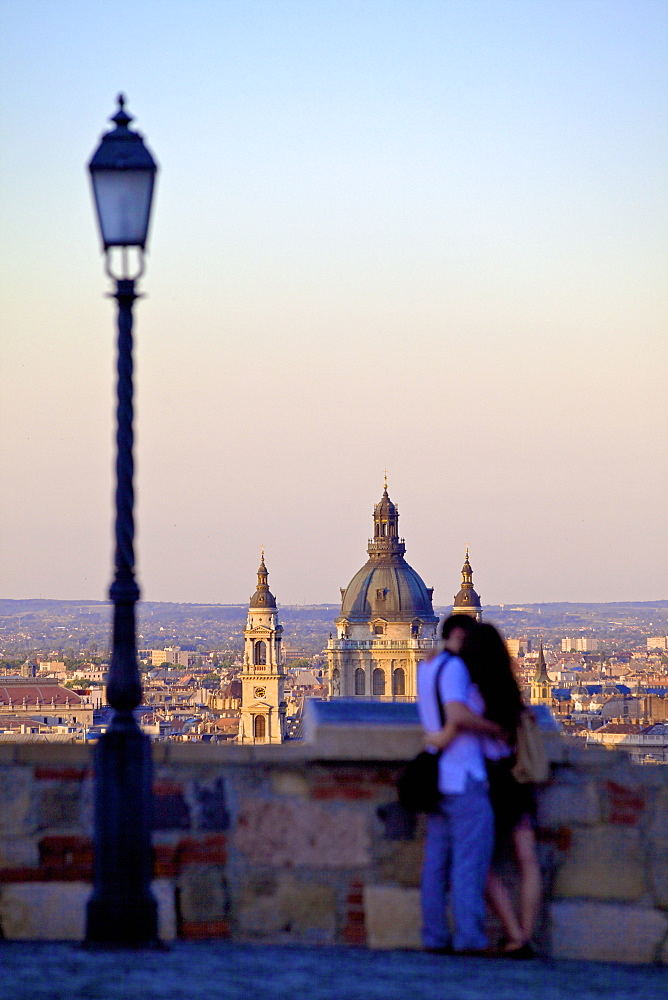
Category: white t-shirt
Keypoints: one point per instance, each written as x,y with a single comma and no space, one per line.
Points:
464,757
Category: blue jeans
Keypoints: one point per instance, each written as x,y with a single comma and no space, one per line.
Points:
457,856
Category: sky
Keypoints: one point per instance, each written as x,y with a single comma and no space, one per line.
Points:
427,237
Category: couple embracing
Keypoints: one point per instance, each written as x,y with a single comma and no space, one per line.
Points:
470,686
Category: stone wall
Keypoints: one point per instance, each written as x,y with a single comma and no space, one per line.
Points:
306,843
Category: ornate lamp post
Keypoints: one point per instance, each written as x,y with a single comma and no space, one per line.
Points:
122,909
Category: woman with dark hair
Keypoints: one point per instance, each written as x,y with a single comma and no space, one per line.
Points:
486,656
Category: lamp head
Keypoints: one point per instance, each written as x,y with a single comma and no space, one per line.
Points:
123,173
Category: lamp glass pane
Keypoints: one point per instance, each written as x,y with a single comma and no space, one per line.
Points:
123,199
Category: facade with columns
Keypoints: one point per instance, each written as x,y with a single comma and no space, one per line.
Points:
263,677
387,624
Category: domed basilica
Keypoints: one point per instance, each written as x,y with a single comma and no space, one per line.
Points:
387,624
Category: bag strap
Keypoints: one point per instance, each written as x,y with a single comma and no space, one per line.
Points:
441,710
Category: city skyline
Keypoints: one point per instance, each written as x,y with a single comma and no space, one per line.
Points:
427,237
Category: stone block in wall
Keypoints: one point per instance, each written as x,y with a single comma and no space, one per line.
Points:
658,874
563,804
288,909
16,814
58,804
163,890
56,911
355,784
392,917
286,832
603,862
210,807
202,893
604,932
625,803
400,862
18,852
657,830
289,783
170,810
398,822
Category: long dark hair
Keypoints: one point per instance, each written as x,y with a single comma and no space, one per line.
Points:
485,654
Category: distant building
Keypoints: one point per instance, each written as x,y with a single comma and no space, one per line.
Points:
55,667
263,703
579,644
172,654
657,642
467,602
43,700
387,624
518,647
29,668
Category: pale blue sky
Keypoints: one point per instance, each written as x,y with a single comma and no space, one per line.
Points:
427,236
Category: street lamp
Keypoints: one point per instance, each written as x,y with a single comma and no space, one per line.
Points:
122,909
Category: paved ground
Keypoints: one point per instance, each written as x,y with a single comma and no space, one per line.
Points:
209,971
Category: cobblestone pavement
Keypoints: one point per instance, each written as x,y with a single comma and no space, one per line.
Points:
208,971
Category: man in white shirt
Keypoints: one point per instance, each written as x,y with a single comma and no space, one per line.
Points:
460,836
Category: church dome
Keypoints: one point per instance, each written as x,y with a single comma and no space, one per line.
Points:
383,589
386,586
467,599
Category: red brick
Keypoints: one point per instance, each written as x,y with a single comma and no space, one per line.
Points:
167,787
211,850
562,837
354,937
20,875
48,873
354,932
165,860
626,805
66,851
61,773
204,930
354,785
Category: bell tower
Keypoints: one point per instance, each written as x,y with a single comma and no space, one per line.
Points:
467,602
541,685
263,676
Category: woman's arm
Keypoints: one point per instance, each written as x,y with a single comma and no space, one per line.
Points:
460,718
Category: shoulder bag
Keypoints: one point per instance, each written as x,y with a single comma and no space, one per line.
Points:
532,765
417,784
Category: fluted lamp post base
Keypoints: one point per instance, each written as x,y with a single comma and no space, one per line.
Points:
122,910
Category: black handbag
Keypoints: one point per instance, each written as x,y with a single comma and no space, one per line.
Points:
417,785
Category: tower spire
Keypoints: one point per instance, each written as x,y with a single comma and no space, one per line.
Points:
263,597
542,675
467,601
386,541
